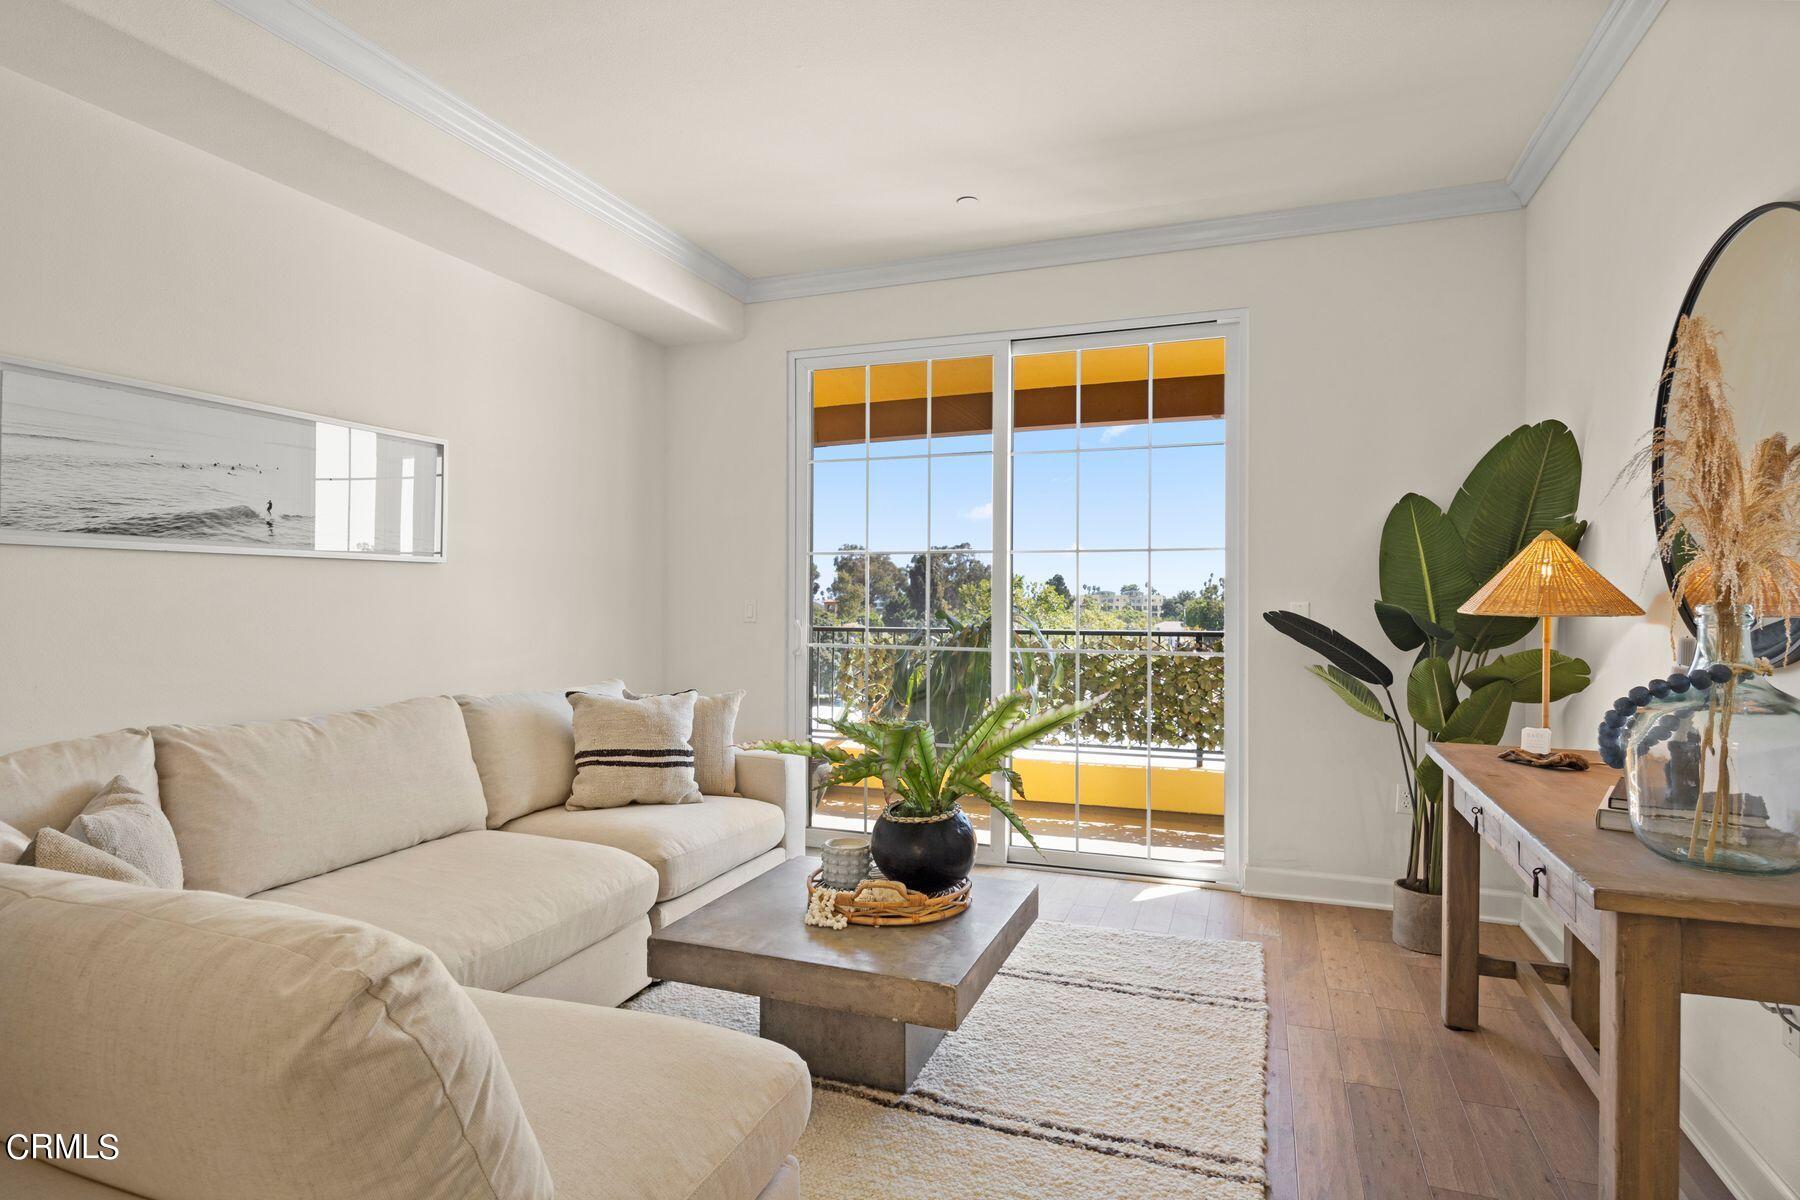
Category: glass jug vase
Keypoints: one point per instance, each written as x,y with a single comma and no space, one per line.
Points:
1714,772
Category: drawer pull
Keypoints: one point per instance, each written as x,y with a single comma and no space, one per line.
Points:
1537,879
1475,816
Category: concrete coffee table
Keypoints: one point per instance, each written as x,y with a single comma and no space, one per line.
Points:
864,1004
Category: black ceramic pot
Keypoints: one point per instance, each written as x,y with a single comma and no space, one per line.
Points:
927,854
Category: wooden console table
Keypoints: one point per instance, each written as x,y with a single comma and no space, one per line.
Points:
1639,931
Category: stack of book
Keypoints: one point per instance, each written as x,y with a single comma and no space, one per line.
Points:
1615,808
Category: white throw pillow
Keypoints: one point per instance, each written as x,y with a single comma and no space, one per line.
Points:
633,751
122,822
57,851
715,755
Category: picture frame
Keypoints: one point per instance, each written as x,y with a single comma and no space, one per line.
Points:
109,462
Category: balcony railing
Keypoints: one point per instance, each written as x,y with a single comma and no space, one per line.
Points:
1143,771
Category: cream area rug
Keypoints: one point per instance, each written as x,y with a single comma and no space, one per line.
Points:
1099,1063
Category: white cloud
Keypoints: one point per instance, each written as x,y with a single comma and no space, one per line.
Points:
981,512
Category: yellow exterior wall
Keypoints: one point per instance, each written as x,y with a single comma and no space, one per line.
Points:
1114,785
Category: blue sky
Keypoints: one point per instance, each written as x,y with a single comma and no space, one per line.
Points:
1173,496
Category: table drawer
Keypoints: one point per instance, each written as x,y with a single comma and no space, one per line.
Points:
1554,883
1488,822
1493,828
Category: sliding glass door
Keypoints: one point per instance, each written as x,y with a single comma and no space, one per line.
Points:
899,622
1092,470
1118,568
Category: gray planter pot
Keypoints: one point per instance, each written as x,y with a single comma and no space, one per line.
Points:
1418,920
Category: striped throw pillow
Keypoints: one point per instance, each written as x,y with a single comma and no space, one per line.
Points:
715,754
633,751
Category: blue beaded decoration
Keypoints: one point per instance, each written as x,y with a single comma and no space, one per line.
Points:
1610,736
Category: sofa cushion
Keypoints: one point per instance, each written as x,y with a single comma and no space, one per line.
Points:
126,824
239,1049
497,907
13,844
524,748
257,806
687,1111
50,785
688,844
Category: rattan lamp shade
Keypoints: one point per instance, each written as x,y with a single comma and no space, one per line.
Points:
1547,579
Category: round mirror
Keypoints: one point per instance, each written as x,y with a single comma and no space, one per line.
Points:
1748,287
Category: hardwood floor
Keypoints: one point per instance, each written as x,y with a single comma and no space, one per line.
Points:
1370,1097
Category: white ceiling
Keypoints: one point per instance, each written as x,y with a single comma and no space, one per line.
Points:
792,136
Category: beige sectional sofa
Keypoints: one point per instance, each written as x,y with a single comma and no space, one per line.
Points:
433,828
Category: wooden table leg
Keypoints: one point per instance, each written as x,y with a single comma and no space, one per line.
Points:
1640,1057
1462,916
1584,986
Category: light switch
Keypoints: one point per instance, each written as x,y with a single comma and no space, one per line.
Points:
749,612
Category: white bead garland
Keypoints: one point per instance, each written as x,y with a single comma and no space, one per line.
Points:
821,910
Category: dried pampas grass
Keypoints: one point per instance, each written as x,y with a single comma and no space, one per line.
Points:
1736,519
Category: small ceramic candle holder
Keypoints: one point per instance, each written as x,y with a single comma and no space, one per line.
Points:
846,863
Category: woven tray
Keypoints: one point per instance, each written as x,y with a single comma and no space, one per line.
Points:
916,909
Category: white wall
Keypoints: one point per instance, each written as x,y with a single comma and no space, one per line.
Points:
1702,125
125,252
1380,361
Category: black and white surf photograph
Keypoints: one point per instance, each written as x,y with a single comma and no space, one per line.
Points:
96,462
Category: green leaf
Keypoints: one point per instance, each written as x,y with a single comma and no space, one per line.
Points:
999,804
1352,692
1483,635
1480,718
1421,565
1409,631
1430,779
1339,650
1399,626
1523,672
1571,533
1431,693
1529,482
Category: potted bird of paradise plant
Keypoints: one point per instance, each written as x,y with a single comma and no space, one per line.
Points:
1459,688
923,838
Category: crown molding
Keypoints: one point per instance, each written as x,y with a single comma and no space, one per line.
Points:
1467,200
318,34
1621,28
344,50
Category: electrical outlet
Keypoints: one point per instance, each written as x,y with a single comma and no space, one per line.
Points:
1402,801
749,612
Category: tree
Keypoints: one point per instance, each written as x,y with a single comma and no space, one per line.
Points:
1060,586
893,598
1206,609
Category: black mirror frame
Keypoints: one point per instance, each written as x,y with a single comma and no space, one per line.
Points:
1777,640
